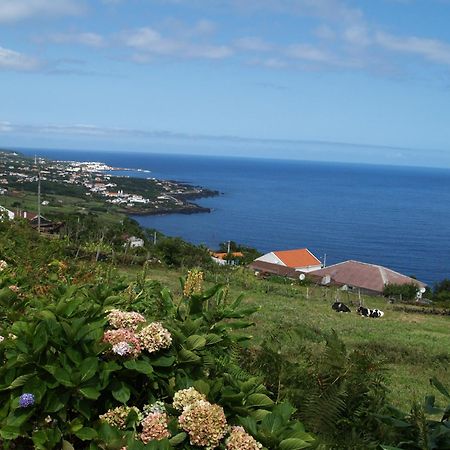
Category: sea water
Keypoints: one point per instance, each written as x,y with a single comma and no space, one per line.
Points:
398,217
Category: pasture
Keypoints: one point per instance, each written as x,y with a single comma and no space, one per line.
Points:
414,346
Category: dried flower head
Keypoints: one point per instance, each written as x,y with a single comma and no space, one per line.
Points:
124,319
205,423
239,439
26,400
3,265
121,336
154,427
186,397
154,337
117,417
193,283
14,288
2,338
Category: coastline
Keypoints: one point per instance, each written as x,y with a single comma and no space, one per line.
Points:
94,186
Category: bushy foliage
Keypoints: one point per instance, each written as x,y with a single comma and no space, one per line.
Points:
337,392
441,291
77,375
425,427
403,291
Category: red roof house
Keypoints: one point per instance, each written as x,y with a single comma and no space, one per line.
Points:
301,260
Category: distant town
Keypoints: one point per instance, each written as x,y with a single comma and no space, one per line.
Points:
96,180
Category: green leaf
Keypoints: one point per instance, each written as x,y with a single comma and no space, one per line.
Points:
293,444
259,400
212,339
39,439
186,356
90,392
163,361
19,381
40,338
439,386
88,368
9,433
178,439
86,434
63,377
66,445
259,414
121,393
202,387
140,366
195,342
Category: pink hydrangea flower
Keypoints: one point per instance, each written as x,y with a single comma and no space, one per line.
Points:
154,427
120,336
205,423
239,439
123,319
154,337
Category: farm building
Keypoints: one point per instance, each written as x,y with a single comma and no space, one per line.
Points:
301,260
223,259
6,213
363,277
134,242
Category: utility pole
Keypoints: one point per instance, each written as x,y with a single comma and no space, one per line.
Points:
39,200
154,238
229,247
325,260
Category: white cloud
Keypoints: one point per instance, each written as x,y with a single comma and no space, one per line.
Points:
12,60
85,38
15,10
309,53
254,44
431,49
357,35
5,127
325,32
149,42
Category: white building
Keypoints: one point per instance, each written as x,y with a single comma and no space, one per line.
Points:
6,213
135,242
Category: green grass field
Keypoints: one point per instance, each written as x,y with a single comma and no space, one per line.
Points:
62,204
414,346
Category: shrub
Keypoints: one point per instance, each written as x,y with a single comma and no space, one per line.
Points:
82,372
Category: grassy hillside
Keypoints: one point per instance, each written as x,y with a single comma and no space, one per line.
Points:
414,346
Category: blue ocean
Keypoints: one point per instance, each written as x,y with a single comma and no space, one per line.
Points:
394,216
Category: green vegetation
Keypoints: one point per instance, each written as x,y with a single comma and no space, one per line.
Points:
353,382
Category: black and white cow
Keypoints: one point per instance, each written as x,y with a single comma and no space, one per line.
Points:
340,307
366,312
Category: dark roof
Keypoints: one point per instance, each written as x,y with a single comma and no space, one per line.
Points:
274,269
362,275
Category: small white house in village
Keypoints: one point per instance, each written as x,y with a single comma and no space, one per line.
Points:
301,260
6,213
134,242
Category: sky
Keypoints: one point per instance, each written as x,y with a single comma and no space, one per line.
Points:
337,80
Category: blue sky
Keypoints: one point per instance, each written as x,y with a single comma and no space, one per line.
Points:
285,78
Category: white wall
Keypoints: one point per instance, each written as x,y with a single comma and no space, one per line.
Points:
10,214
308,268
271,258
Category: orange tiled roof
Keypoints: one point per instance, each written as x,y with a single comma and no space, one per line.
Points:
223,255
301,257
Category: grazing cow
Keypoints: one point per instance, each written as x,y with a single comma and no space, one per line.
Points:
366,312
340,307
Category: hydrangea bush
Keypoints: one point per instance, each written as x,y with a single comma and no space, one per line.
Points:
85,373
